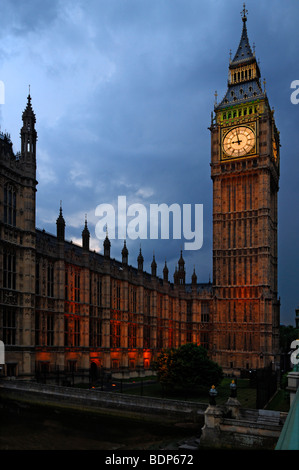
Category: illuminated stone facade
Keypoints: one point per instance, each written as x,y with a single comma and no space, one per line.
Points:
67,309
245,172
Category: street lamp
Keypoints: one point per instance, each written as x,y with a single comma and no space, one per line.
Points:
213,393
233,389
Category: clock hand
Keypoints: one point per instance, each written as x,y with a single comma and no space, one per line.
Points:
239,141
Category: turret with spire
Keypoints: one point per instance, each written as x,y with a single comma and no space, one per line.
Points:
154,266
140,261
181,270
107,246
244,52
60,224
85,236
29,136
125,254
244,73
165,272
194,278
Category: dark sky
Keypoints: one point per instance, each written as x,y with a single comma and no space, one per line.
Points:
123,92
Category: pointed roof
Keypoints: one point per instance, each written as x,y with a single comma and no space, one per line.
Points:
165,269
85,236
194,277
60,223
165,272
248,89
175,273
125,250
60,218
181,262
85,231
242,93
244,52
28,111
154,264
140,258
107,242
125,254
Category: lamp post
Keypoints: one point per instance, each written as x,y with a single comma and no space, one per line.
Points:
213,393
233,389
232,404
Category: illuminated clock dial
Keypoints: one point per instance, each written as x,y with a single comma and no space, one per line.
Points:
239,141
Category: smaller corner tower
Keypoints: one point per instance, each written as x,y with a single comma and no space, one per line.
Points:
85,236
60,225
18,247
29,137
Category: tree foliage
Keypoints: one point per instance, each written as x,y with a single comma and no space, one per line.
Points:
287,335
187,367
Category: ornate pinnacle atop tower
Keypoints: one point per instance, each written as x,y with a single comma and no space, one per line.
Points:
140,261
60,222
194,277
244,74
244,12
85,236
125,254
107,246
28,111
244,52
154,266
28,134
165,272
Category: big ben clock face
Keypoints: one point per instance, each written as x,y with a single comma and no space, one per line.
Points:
238,142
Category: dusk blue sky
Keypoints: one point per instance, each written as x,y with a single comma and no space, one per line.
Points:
123,92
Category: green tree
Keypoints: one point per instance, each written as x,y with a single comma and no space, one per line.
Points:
187,367
287,335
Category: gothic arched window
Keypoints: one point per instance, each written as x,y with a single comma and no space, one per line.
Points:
9,205
9,269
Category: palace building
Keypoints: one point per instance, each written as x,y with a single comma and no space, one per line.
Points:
66,310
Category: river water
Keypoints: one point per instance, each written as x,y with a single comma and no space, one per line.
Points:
48,428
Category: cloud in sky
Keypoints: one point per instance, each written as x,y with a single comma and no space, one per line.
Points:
123,92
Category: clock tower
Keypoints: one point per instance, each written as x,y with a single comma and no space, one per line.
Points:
245,172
